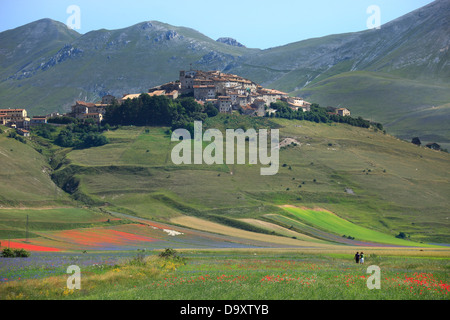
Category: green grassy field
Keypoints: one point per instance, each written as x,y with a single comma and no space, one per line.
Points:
13,222
397,187
328,221
25,176
245,275
340,180
371,180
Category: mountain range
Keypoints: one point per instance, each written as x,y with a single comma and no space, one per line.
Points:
398,75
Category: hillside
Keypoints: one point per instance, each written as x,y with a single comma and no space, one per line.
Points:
402,68
23,50
407,108
89,66
53,66
25,177
414,46
365,177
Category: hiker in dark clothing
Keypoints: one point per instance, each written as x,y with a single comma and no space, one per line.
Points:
357,257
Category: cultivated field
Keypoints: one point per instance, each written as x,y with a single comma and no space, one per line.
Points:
366,177
242,235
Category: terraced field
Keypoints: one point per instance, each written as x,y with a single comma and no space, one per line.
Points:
369,185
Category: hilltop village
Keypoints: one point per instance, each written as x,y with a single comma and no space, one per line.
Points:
227,92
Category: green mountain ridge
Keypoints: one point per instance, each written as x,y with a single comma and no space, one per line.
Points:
59,66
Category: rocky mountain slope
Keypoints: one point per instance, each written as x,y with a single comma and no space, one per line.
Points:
400,70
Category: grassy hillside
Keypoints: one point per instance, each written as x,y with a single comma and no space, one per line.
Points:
89,66
407,108
371,182
25,176
27,46
326,220
395,186
429,121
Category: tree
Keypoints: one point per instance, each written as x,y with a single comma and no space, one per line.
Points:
401,235
416,141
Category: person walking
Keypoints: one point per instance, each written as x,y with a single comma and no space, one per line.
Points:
361,258
357,257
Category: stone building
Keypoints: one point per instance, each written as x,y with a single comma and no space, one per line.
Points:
343,112
225,105
16,118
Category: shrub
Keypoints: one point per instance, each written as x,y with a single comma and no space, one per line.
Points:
7,253
401,235
416,141
21,253
139,260
168,253
15,253
172,255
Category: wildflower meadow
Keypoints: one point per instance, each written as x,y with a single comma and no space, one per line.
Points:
242,275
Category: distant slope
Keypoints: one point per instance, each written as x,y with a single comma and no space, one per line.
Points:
44,66
407,108
86,67
328,70
24,50
429,123
328,221
414,46
25,177
396,186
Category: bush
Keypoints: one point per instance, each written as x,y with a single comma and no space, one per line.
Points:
172,255
81,136
139,260
401,235
7,253
168,253
21,253
15,253
416,141
63,120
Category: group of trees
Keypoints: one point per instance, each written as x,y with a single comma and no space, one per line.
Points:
162,111
14,135
319,115
14,253
76,134
81,135
182,112
159,111
142,111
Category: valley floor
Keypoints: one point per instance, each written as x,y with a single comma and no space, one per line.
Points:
230,275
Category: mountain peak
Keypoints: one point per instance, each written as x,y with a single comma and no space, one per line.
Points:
231,42
48,25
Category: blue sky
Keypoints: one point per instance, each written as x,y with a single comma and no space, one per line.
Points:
257,24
